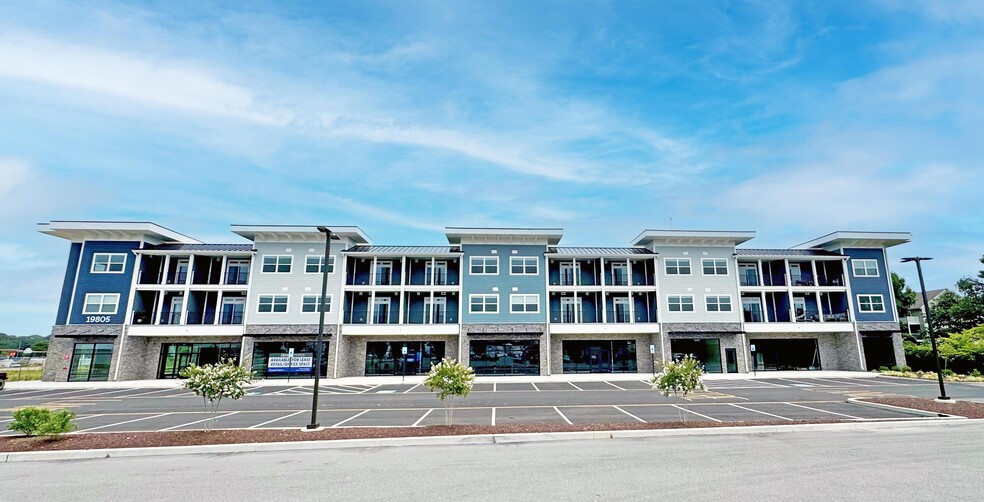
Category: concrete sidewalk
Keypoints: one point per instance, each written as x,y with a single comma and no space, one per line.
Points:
381,380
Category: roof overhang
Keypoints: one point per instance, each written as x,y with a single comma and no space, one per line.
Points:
692,238
78,231
541,236
850,239
298,233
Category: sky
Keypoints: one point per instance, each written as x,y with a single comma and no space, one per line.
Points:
793,119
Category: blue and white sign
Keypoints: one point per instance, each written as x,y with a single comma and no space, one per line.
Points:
285,364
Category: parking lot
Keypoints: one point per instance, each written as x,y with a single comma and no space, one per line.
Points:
496,403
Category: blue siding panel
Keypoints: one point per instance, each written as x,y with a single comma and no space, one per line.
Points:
483,284
68,284
880,285
103,283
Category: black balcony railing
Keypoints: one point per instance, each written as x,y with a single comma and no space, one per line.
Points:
802,280
234,276
753,315
567,279
831,280
749,278
231,317
836,317
171,318
774,279
142,317
619,317
440,278
619,279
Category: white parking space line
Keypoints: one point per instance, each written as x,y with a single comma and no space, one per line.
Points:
694,412
535,387
158,391
17,394
357,415
842,384
493,416
197,422
575,386
494,387
121,423
798,383
629,414
257,426
422,417
370,388
823,411
64,393
336,390
563,416
616,386
770,383
106,393
882,381
411,388
762,412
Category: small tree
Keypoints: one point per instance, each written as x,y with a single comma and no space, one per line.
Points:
680,377
34,421
213,382
449,378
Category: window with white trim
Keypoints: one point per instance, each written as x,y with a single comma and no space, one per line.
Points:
524,304
865,268
483,304
314,264
524,265
272,304
108,263
309,303
677,266
277,264
680,303
101,303
871,303
714,266
484,265
718,303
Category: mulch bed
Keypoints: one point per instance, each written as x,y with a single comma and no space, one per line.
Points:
93,441
961,408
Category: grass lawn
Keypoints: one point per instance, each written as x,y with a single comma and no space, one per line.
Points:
21,374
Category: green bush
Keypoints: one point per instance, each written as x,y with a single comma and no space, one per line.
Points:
680,377
34,421
947,372
886,368
905,369
975,373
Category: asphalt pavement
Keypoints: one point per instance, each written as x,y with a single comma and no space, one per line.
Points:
101,409
929,461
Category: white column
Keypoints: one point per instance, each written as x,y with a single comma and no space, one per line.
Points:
218,305
604,296
222,271
403,281
789,290
372,272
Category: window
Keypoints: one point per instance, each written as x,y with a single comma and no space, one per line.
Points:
277,264
484,265
871,303
108,263
718,303
681,303
524,304
314,264
524,265
677,266
101,303
272,303
483,304
714,266
309,303
865,268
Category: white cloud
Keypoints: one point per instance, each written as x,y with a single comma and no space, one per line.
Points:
13,174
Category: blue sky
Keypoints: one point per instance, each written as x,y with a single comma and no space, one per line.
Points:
604,118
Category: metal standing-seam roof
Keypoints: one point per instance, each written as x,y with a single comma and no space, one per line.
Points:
598,251
784,252
201,247
404,249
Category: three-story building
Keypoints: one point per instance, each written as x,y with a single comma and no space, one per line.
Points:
140,301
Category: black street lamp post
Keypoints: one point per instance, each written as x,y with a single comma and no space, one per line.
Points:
319,348
929,324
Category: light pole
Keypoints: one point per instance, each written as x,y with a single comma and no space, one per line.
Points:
929,324
319,348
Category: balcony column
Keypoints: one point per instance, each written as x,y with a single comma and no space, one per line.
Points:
162,279
575,269
403,282
218,302
371,308
761,275
628,280
820,305
789,290
604,296
160,307
222,271
765,307
372,272
816,278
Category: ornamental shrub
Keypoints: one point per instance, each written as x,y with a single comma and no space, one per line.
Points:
213,382
680,377
34,421
449,378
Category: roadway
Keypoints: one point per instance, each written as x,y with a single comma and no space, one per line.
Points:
926,460
410,404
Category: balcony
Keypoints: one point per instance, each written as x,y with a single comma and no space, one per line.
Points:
231,317
143,318
835,281
237,276
170,318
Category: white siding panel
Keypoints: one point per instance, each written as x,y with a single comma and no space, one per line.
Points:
697,284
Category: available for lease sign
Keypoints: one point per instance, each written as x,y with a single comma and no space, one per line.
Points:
300,363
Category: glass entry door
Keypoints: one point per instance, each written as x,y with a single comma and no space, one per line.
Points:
570,309
599,356
90,362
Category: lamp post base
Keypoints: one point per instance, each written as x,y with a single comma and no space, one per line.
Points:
312,427
944,399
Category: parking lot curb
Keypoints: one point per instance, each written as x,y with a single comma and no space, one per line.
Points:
870,404
478,439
